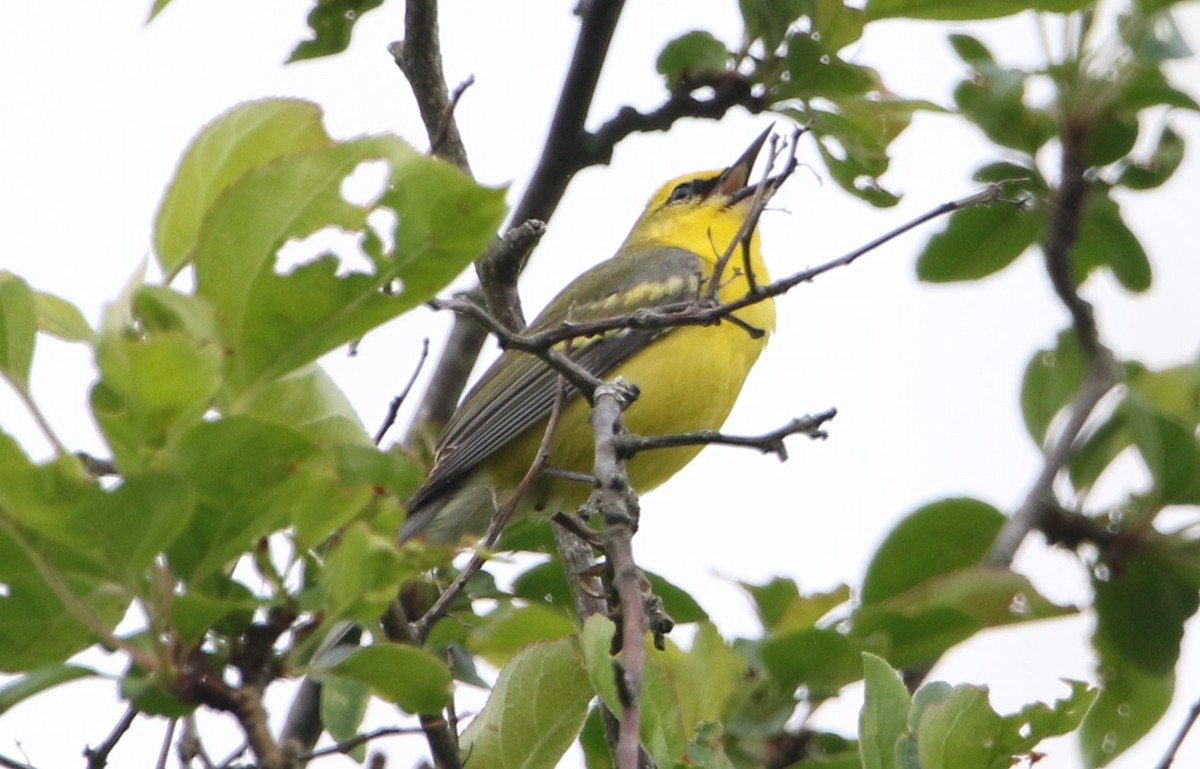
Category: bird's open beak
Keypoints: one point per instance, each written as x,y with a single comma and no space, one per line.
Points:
737,177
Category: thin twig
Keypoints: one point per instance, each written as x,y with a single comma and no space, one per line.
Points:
629,445
359,739
97,758
394,407
422,626
1180,736
164,752
439,135
95,466
1016,528
12,763
190,746
762,195
582,379
689,313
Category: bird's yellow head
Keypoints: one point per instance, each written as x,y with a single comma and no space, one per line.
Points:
701,211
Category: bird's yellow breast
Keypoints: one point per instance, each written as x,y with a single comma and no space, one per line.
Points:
689,381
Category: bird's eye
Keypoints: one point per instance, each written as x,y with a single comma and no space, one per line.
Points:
682,192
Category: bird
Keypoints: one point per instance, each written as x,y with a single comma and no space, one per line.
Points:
688,377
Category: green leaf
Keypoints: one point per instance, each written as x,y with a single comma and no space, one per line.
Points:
923,622
1153,37
152,696
59,318
18,330
822,659
703,678
411,678
769,20
959,10
249,136
1131,702
126,528
707,749
194,614
1149,87
812,71
994,99
343,705
595,642
694,53
275,323
1105,241
971,50
1155,170
36,628
157,8
150,390
978,242
1140,613
332,22
361,574
781,607
1052,377
535,710
1168,447
244,474
1111,138
37,681
1038,721
853,147
837,24
936,539
596,753
661,728
884,714
509,628
310,401
1173,391
388,471
959,732
676,601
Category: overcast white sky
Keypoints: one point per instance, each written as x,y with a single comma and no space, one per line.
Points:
98,108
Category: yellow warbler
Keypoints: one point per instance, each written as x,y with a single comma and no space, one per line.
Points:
689,376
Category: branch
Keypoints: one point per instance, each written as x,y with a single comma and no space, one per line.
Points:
582,379
360,739
164,752
629,445
97,758
690,313
618,508
244,703
419,57
394,406
1063,231
1176,743
729,89
499,268
12,763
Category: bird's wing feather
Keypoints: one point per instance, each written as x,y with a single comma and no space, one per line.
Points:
518,391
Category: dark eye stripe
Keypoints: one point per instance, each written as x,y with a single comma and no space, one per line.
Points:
692,188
